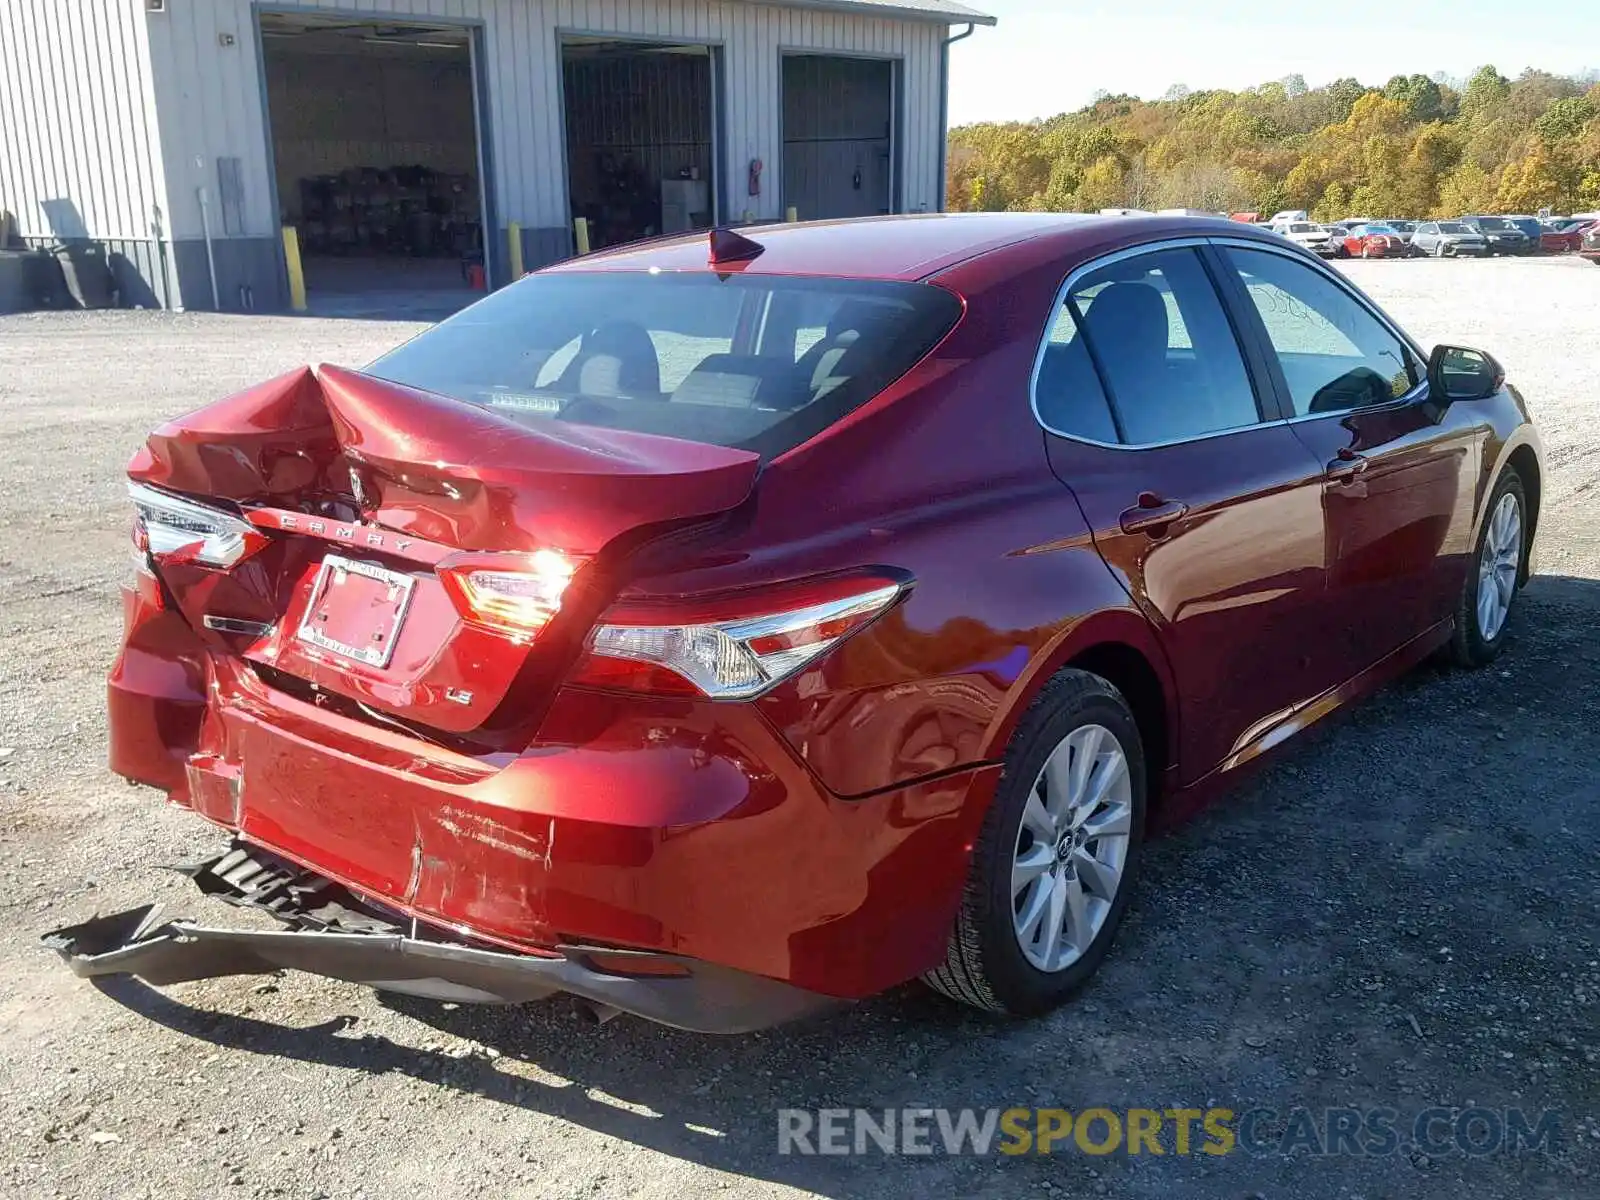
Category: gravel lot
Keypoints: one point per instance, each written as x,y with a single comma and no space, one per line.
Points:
1401,913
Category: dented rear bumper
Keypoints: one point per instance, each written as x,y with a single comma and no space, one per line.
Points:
329,939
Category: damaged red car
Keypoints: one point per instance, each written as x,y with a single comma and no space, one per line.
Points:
721,629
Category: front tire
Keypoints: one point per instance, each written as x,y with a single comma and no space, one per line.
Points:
1055,862
1494,576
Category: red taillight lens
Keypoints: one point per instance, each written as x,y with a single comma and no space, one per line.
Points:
514,594
734,658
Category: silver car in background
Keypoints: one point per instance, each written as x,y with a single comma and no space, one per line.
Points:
1448,239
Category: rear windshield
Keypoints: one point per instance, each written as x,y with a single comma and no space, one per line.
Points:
755,362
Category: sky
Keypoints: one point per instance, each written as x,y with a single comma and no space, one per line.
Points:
1051,56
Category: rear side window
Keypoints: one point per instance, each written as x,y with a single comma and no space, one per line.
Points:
754,362
1335,354
1067,395
1169,366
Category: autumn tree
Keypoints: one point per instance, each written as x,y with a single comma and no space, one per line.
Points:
1416,147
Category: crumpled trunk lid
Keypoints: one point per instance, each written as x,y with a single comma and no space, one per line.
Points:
367,489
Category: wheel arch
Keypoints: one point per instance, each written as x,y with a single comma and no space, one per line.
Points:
1121,648
1525,461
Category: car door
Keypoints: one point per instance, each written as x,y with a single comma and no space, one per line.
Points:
1425,237
1399,477
1206,506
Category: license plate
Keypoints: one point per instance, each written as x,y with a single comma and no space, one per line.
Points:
356,609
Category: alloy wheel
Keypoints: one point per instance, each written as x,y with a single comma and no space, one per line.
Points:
1072,847
1498,564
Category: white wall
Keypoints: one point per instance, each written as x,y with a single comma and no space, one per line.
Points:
79,156
210,94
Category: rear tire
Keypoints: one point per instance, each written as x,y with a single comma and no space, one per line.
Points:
1494,576
1081,729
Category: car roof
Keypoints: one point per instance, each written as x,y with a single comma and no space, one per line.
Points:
908,247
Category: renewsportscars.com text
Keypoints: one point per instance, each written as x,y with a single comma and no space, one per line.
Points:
1365,1132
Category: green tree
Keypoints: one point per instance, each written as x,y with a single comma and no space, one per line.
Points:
1420,95
1485,91
1564,119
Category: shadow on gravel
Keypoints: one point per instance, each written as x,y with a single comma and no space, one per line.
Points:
1404,912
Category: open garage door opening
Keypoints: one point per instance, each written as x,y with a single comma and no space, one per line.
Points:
640,124
376,151
839,147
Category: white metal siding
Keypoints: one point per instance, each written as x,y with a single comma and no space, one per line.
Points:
209,95
78,153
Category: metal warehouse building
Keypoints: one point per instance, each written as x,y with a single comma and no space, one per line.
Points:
428,144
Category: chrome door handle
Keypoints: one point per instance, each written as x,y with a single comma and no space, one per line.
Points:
1346,467
1151,518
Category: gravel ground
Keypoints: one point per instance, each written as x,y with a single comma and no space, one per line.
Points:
1401,913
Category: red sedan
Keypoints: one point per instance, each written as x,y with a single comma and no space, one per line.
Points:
1375,241
1561,241
718,630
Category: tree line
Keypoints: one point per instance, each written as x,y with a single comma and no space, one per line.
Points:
1418,146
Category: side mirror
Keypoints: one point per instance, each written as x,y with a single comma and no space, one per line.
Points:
1458,373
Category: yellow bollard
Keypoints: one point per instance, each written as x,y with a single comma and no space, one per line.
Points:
297,274
791,214
515,235
580,234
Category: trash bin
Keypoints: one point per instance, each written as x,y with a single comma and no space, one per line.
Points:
87,274
31,279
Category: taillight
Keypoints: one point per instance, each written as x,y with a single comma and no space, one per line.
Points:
514,594
733,659
172,529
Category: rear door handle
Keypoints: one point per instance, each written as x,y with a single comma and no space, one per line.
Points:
1151,514
1347,466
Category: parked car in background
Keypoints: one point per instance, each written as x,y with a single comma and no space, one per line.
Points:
1306,233
1337,232
1374,240
525,661
1591,243
1288,216
1562,236
1406,229
1502,236
1532,227
1448,239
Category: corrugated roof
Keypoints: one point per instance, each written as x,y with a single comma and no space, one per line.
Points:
945,12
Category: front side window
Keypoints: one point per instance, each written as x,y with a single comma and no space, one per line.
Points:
1165,353
1335,354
